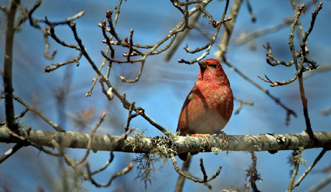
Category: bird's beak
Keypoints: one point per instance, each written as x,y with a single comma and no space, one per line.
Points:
202,65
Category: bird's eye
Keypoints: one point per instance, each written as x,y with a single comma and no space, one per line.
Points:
214,66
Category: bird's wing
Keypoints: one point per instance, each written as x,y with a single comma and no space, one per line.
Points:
189,98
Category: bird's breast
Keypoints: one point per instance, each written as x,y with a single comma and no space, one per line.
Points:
208,111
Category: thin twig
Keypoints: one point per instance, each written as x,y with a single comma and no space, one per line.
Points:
253,174
118,173
225,39
41,148
303,53
65,22
218,27
295,55
130,45
320,69
298,23
241,102
4,9
320,184
273,61
296,160
130,117
10,152
27,14
190,177
181,178
112,27
289,111
244,38
46,54
203,170
108,93
182,25
304,174
138,76
326,111
70,162
57,65
51,32
215,24
109,47
40,114
181,36
20,115
220,55
111,158
250,10
122,137
89,144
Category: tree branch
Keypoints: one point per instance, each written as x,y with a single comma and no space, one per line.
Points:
179,144
8,65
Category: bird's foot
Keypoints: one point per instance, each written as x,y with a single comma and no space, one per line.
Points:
224,137
205,136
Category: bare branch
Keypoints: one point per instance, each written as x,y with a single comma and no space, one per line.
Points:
190,177
181,36
277,100
296,160
8,65
10,152
297,183
40,114
326,111
27,14
108,93
253,174
51,32
218,27
203,170
130,117
57,65
112,27
111,158
4,9
89,144
181,178
241,102
109,48
316,71
118,173
321,184
138,76
250,10
18,116
262,142
65,22
225,39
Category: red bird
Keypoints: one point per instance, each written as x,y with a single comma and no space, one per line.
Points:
209,105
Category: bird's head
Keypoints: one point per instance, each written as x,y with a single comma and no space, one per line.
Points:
211,70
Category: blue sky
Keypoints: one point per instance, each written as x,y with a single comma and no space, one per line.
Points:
162,89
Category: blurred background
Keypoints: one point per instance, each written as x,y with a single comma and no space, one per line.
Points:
161,91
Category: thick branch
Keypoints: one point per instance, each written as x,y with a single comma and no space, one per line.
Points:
8,65
222,47
263,142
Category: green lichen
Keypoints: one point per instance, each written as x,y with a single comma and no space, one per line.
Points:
146,167
296,157
216,150
162,150
138,138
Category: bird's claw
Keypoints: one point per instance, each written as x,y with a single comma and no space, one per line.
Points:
224,137
205,136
